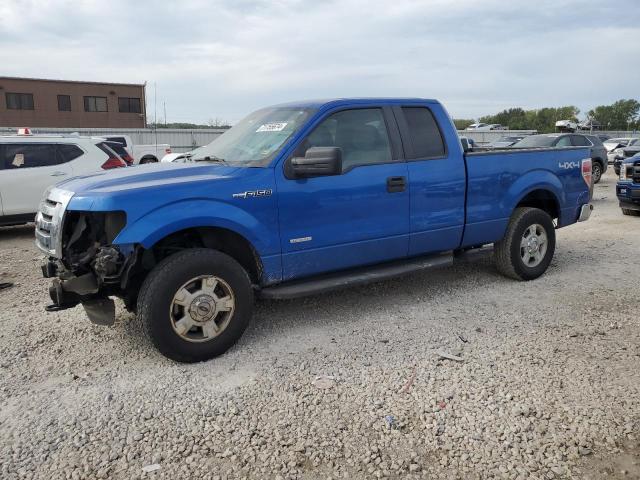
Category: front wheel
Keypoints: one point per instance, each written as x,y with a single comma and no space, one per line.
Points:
527,248
195,304
631,213
596,172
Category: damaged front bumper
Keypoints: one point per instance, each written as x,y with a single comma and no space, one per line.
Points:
85,265
106,275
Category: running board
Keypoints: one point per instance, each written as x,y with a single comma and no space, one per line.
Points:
358,276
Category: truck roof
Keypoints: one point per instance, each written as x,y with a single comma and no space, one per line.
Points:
318,103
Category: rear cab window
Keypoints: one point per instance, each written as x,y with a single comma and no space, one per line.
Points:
425,138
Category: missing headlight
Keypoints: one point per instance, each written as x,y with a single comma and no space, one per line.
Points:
85,232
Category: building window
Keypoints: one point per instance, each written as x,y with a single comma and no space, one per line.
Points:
129,105
19,101
95,104
64,103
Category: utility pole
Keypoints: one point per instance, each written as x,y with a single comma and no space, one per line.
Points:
155,110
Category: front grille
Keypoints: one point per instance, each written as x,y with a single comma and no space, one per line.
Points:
49,220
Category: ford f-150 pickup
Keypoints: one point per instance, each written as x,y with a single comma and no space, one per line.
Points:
299,199
628,186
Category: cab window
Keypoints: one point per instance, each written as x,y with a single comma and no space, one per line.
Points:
361,134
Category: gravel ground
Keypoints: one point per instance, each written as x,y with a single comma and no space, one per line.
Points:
346,385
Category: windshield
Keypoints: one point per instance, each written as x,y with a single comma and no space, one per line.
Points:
536,141
256,139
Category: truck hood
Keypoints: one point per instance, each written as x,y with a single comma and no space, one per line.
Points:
139,190
146,176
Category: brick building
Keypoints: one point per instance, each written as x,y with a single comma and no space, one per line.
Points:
31,102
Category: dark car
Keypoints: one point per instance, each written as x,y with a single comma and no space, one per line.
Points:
598,152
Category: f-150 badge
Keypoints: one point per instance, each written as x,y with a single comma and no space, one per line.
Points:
253,193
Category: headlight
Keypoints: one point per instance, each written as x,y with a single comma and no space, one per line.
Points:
623,172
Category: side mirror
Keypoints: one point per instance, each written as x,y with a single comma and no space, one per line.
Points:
317,162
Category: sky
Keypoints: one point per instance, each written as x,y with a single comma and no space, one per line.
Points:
221,59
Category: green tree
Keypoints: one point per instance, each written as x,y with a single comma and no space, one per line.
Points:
621,115
462,123
543,120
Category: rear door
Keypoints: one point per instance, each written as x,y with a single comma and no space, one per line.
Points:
28,169
358,217
436,178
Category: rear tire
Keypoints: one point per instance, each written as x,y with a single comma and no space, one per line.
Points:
596,171
632,213
148,160
528,245
195,304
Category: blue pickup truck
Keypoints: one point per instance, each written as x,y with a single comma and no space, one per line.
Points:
299,199
628,186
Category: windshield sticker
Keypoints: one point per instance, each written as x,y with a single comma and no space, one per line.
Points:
18,160
272,127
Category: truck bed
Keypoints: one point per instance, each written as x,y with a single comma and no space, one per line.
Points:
498,178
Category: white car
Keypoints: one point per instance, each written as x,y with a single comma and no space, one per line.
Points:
486,127
566,125
615,146
176,157
477,126
29,164
141,153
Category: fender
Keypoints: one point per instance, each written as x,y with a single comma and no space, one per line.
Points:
171,218
531,181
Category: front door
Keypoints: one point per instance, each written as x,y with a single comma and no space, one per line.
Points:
28,169
358,217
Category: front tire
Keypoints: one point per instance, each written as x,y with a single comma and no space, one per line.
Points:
596,172
631,213
527,248
195,304
146,160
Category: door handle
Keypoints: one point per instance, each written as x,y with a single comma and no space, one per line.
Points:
58,174
396,184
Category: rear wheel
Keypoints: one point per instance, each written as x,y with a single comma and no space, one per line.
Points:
195,304
596,172
149,160
528,245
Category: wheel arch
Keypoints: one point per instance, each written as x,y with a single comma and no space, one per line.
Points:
150,157
222,239
541,198
540,189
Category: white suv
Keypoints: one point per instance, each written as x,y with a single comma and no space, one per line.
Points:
31,163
